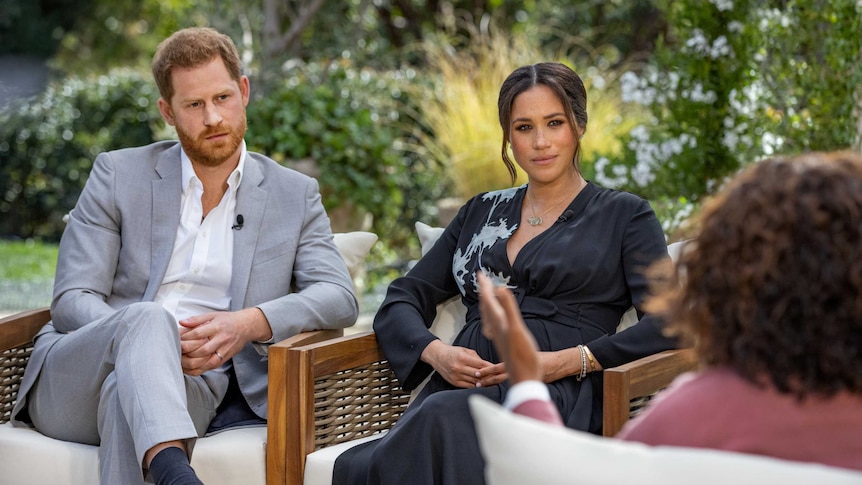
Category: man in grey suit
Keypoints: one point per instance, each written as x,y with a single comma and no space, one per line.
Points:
181,261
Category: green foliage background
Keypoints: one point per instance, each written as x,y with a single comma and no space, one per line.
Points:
48,144
354,125
691,91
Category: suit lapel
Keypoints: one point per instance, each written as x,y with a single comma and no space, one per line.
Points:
251,203
167,193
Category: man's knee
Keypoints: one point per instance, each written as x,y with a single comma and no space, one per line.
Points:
151,316
147,310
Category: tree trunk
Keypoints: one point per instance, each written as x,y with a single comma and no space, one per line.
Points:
278,43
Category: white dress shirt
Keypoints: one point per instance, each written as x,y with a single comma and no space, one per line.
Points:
199,272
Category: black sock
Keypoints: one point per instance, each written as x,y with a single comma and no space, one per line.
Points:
171,467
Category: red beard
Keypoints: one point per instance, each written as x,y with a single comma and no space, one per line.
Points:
213,153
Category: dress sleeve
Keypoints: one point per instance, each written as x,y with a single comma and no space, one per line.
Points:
410,306
643,244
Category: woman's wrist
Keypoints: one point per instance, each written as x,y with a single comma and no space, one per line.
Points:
560,364
429,353
591,361
570,362
583,354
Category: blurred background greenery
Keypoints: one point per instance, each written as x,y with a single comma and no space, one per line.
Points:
391,104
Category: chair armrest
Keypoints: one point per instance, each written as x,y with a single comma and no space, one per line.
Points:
640,379
310,337
341,389
16,343
19,329
278,393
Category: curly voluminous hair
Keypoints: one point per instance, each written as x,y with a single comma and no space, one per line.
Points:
772,285
189,48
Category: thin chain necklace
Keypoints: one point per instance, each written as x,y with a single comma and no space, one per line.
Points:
535,220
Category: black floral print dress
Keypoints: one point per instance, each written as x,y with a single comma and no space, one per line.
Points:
573,283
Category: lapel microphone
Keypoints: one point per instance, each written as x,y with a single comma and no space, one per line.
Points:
239,221
563,218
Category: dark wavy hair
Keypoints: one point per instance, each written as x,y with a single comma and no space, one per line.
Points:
564,82
189,48
772,285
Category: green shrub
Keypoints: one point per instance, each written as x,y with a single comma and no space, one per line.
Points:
48,144
355,127
356,124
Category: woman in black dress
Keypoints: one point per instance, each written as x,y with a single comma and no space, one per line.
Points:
574,255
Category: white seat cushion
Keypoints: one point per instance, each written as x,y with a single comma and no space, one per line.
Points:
519,450
236,456
28,457
319,465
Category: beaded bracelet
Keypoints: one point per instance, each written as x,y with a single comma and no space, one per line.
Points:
583,373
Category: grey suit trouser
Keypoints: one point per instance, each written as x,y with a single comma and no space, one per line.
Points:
118,383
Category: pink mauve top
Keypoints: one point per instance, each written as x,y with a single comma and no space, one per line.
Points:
719,409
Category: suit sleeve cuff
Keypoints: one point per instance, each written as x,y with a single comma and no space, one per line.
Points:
526,391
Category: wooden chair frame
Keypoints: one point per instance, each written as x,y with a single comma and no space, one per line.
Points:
16,342
629,386
343,389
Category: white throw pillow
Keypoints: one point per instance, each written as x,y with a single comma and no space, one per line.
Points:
519,450
428,235
354,247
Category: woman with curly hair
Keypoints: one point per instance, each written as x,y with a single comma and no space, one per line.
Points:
770,294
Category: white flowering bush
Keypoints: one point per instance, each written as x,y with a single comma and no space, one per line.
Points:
732,82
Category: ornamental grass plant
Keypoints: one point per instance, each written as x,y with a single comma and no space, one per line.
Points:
461,110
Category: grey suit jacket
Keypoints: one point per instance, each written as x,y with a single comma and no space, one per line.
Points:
117,244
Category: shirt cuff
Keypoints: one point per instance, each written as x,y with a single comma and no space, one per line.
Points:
267,342
262,348
526,391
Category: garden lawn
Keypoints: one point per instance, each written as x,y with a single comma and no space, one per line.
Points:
26,274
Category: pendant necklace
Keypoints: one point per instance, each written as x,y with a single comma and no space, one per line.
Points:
535,220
